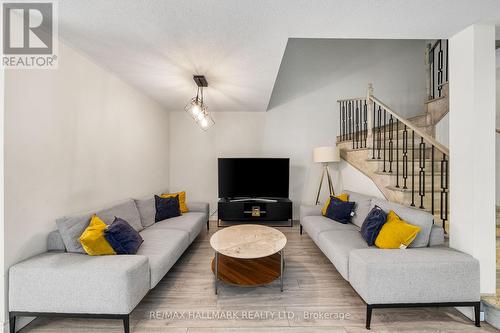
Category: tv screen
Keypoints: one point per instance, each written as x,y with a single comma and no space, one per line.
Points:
254,177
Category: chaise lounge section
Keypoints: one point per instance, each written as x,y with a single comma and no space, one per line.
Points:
425,274
59,283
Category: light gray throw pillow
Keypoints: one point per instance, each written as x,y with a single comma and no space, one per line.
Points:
126,210
71,228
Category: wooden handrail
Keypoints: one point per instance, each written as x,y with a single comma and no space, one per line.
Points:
408,124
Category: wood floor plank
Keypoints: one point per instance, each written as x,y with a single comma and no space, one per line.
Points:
312,286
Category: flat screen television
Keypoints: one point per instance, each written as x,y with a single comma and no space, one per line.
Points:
253,177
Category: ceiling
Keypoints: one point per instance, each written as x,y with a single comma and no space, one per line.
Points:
157,45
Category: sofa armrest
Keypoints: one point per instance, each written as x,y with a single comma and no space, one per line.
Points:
309,210
200,207
437,236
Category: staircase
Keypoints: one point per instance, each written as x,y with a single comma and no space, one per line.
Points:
400,155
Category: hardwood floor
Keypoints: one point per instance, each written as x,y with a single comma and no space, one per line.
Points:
312,287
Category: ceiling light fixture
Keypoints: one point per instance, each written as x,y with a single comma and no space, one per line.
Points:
197,108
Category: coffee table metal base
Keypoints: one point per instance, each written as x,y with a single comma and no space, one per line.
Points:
248,272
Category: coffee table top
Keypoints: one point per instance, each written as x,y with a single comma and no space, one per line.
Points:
248,241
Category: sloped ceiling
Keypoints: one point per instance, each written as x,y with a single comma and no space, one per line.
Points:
157,45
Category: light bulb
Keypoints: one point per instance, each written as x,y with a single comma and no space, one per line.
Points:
204,122
196,110
200,116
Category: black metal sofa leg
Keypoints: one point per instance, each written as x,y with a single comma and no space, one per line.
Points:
208,225
12,323
301,229
477,314
368,316
126,324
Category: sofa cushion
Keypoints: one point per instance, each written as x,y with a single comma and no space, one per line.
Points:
166,208
182,199
77,283
162,247
341,197
55,242
340,211
122,237
71,228
126,210
192,223
147,210
92,239
414,216
373,224
363,207
423,275
337,245
315,225
396,233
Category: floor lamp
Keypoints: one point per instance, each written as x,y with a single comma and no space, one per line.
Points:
325,155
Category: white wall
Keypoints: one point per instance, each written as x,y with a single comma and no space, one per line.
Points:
443,130
497,135
76,139
302,114
472,148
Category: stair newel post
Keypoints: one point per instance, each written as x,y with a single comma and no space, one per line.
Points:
412,168
432,180
421,173
391,143
397,153
405,156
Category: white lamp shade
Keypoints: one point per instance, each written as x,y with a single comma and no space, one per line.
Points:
326,154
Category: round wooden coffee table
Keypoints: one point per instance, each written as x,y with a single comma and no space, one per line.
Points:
248,255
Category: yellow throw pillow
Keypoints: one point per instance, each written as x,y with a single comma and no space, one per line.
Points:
92,239
182,199
396,233
343,197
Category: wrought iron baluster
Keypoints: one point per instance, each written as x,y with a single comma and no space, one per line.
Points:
432,180
432,73
440,69
343,122
365,112
421,173
384,150
446,67
374,121
444,190
412,168
379,111
352,107
357,124
391,143
340,120
397,153
405,157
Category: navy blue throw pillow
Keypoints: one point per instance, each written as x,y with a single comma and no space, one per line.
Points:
340,211
372,224
167,208
122,237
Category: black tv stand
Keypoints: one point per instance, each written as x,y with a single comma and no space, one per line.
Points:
254,210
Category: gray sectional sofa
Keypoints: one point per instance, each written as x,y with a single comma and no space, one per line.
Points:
59,283
427,273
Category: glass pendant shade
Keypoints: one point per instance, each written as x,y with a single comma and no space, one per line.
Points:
198,110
